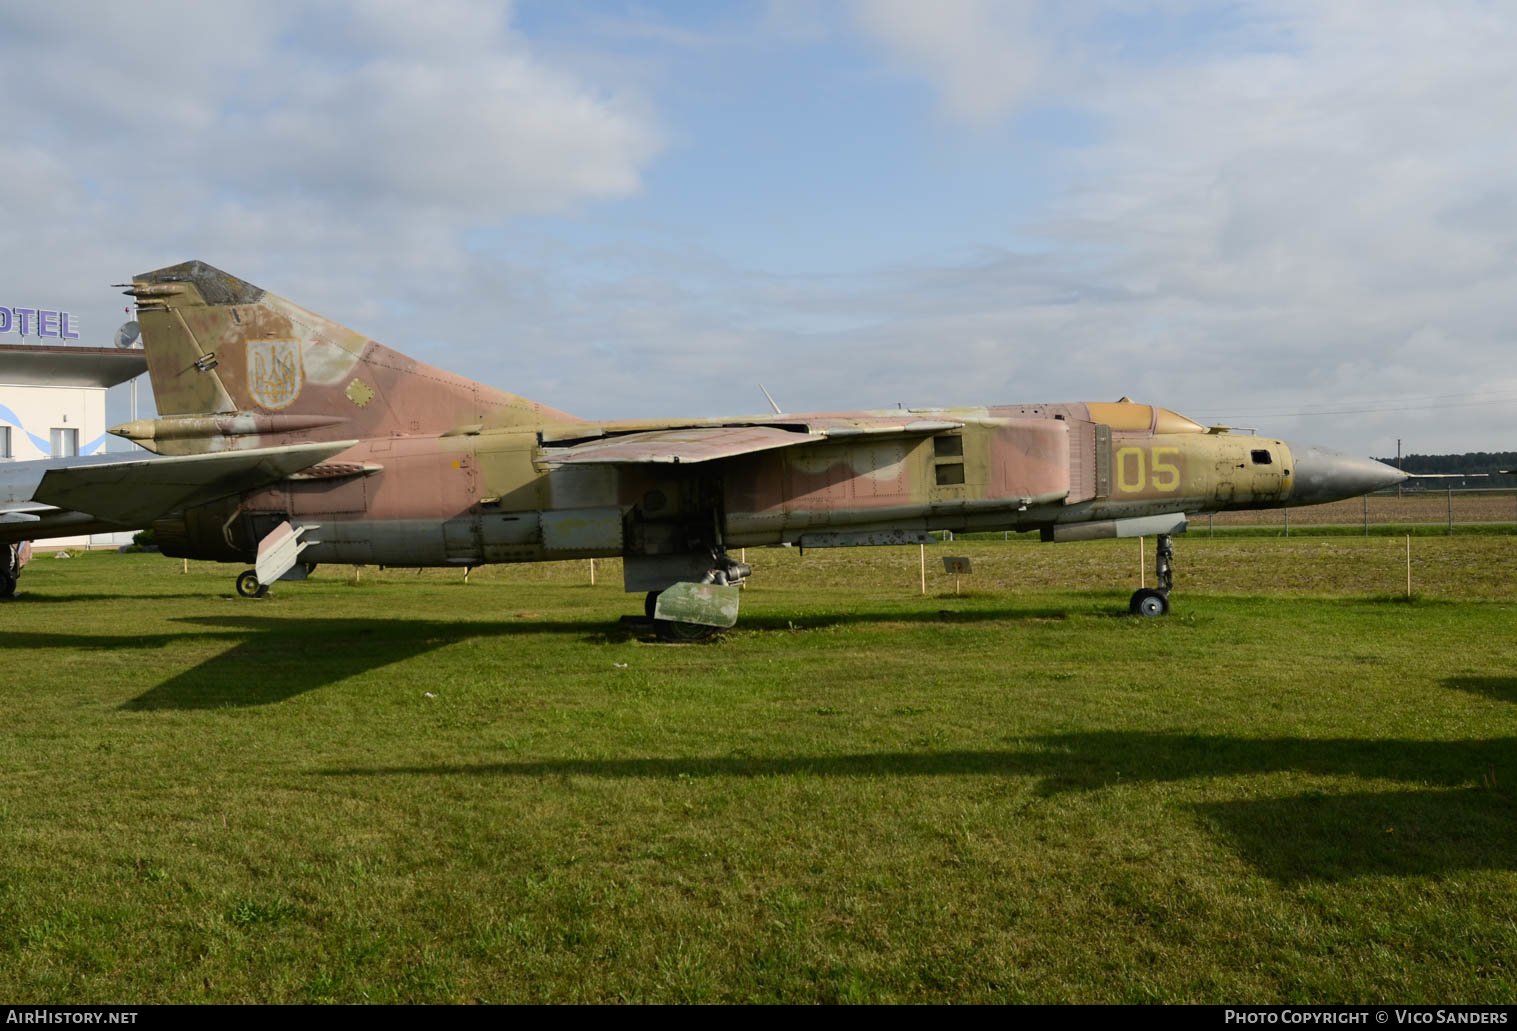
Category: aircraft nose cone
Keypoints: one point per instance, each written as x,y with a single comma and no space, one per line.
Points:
1322,474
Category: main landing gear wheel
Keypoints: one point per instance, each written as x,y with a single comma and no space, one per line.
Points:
1149,602
248,585
10,569
683,633
676,633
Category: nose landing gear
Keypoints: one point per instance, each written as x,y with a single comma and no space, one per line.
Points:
1152,602
248,585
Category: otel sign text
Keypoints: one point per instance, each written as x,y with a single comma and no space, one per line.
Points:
39,322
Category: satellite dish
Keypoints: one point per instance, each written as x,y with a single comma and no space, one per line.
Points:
127,335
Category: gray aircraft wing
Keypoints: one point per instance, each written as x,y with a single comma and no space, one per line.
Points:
686,444
689,444
135,491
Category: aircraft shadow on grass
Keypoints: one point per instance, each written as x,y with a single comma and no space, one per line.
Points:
277,657
26,639
31,598
1438,824
780,621
1502,689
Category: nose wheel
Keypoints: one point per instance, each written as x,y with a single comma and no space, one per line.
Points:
248,585
1152,602
1149,603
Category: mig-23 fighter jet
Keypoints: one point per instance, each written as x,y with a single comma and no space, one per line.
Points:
419,467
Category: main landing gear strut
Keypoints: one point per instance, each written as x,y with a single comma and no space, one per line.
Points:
10,568
1154,601
695,611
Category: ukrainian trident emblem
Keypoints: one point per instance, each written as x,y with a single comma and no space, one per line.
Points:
274,372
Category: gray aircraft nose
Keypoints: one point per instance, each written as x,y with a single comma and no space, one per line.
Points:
1322,474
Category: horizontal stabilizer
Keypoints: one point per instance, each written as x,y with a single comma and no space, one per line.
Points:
23,508
139,491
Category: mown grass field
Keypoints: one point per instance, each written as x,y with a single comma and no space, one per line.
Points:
1298,787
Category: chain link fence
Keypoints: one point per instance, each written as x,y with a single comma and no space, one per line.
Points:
1457,510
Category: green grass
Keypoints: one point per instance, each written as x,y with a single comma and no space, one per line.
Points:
1298,787
1199,528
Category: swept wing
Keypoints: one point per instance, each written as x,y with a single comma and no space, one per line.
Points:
136,491
689,444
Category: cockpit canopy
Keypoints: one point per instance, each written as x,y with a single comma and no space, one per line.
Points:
1131,417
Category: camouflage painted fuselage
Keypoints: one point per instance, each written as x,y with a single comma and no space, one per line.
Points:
447,471
493,495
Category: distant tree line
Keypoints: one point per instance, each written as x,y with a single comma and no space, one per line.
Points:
1466,464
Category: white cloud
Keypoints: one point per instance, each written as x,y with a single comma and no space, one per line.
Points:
985,57
1269,206
331,151
1309,202
358,103
491,138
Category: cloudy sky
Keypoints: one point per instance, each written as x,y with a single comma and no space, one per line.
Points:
1296,217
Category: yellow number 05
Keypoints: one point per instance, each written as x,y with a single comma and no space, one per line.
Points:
1133,474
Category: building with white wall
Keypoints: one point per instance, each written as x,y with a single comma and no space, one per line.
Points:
52,402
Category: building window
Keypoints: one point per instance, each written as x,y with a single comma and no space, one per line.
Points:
65,443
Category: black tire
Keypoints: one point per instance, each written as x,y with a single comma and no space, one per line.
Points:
7,586
248,585
683,633
674,632
1150,603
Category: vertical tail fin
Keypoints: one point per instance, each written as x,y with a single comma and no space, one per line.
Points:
219,346
181,367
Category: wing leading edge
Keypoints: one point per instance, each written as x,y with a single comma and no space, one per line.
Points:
138,491
690,444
